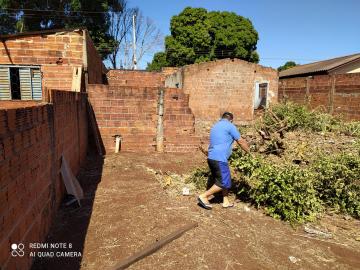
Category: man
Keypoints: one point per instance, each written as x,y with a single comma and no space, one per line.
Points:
222,136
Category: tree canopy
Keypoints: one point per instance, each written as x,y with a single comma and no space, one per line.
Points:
198,35
287,65
23,15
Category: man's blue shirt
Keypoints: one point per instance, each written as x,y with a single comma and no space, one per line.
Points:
222,136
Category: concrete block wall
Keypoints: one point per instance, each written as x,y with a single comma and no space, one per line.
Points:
338,94
32,140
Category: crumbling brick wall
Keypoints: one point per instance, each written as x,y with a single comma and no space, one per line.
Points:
179,130
337,94
136,78
127,111
132,112
32,140
223,85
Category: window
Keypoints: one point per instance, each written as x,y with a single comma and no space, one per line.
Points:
18,82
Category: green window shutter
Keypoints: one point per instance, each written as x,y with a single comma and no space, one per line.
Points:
5,93
25,83
36,84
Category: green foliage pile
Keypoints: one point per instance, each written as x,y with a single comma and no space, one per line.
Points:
299,192
299,117
198,36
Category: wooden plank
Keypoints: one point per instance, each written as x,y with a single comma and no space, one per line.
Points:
154,247
76,79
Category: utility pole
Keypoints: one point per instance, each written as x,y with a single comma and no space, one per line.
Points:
134,43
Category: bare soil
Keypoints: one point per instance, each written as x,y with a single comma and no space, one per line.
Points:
125,209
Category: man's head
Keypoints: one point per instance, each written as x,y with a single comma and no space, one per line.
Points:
228,115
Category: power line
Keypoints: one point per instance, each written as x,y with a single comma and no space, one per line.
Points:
54,10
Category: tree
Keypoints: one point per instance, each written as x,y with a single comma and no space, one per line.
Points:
198,35
287,65
158,62
50,14
120,26
148,37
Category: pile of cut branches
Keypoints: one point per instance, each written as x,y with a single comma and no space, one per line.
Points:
303,163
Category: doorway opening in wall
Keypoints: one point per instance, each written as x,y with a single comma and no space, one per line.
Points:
20,83
261,95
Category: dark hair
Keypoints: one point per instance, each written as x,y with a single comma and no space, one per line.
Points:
228,116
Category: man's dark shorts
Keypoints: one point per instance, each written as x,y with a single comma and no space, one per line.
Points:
220,172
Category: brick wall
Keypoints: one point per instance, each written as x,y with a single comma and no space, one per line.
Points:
56,53
32,140
136,78
127,111
224,85
132,112
95,66
179,130
338,94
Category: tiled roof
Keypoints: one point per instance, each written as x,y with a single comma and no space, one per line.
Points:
320,66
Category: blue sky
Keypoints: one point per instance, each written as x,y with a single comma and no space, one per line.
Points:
303,30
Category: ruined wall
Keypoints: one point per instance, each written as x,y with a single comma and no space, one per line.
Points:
32,140
136,78
337,94
127,111
179,130
223,85
132,112
56,53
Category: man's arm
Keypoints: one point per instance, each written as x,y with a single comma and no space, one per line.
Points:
244,145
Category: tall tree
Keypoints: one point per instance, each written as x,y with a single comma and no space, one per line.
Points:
158,62
148,37
198,35
27,15
287,65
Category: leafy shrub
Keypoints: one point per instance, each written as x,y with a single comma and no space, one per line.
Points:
286,192
292,192
338,182
199,178
351,128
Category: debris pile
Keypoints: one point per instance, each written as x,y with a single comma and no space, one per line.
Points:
303,163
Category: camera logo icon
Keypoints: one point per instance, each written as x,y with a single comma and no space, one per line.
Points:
17,250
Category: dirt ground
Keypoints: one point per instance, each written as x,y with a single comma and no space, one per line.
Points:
125,209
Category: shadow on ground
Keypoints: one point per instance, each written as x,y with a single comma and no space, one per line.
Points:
71,222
